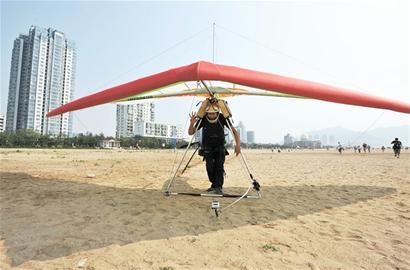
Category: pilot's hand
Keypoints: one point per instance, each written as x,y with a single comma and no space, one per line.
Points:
192,117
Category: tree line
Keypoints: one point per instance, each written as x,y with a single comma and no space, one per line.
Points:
32,139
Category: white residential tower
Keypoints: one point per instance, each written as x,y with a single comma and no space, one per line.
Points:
42,76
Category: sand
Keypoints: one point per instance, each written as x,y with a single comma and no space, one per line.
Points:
319,210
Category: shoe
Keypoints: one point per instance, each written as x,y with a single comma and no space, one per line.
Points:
210,189
217,191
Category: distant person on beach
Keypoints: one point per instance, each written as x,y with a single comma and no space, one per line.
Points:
383,148
368,148
355,149
364,147
212,121
396,147
339,147
359,149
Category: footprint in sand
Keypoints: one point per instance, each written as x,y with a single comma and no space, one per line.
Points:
404,217
314,255
356,237
312,266
335,231
396,242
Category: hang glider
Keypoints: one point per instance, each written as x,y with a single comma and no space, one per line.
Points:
227,81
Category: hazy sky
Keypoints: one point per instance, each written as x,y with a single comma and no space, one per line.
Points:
351,44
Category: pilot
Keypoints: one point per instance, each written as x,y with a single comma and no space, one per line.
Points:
212,117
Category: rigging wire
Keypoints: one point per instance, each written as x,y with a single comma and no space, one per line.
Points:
85,167
370,126
185,129
139,65
213,42
249,175
305,64
146,61
78,119
288,56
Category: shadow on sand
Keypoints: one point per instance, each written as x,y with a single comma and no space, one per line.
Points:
43,219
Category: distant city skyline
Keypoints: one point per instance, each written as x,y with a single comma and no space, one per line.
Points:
328,42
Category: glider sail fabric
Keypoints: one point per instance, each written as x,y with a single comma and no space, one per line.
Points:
223,90
275,85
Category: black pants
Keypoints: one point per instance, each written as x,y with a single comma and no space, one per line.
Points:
215,159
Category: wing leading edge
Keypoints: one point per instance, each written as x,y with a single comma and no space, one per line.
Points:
213,72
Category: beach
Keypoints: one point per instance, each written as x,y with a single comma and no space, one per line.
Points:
105,209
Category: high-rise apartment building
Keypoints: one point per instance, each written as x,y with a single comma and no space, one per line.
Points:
127,115
42,76
250,136
242,132
288,140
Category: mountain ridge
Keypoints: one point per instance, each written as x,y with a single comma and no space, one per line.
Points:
374,137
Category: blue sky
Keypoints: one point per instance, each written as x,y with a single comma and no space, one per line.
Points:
352,44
